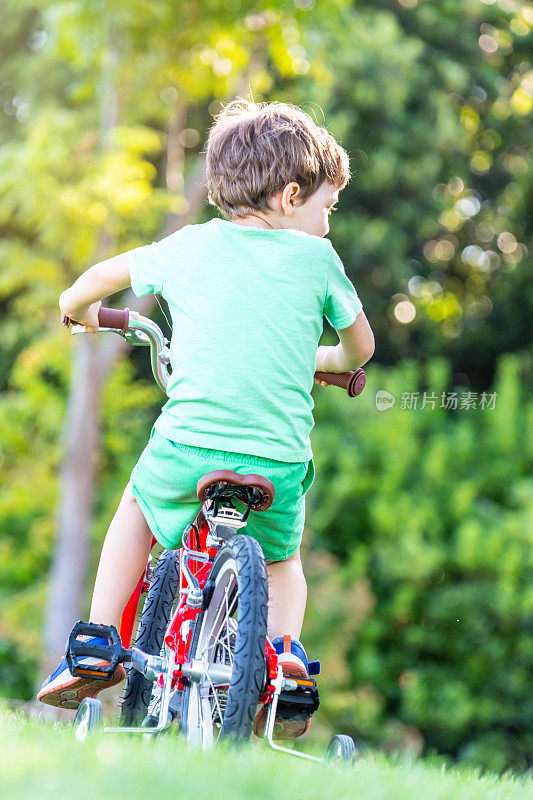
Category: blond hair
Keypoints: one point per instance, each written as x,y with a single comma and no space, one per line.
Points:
256,149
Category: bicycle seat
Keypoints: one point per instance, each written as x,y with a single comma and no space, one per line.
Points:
225,483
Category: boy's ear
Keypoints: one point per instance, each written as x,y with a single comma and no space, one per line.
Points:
288,197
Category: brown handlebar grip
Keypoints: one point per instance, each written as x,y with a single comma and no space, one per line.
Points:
353,382
107,318
114,318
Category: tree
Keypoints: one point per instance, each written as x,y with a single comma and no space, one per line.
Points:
434,106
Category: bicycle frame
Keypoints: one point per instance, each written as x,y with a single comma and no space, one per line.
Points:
196,556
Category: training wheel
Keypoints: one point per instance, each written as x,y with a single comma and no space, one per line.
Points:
88,718
341,748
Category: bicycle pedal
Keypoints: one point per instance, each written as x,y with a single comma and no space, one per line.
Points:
305,699
113,652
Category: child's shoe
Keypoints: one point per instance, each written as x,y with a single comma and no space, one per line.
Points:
293,660
65,690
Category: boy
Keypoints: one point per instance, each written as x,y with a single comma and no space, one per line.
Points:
247,295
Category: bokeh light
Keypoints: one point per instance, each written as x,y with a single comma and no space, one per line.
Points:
507,242
404,311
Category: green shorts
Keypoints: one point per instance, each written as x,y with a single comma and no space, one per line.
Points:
164,485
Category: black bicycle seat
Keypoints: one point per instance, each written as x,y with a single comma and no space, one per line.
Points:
254,490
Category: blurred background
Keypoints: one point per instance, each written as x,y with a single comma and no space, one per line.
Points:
418,548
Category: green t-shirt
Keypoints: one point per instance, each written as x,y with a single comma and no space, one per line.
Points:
247,308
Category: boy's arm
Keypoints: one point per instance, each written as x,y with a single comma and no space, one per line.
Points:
82,301
341,304
355,348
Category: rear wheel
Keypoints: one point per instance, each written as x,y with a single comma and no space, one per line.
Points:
152,627
231,630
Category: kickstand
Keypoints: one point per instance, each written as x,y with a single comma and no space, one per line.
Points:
271,716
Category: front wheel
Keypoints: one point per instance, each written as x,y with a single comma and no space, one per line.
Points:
230,630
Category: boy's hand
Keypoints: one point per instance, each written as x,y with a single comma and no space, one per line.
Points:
330,359
87,316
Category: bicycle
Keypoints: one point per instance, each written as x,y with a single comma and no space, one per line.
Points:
202,654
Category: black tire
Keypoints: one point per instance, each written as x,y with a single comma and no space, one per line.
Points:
152,626
342,749
244,556
88,718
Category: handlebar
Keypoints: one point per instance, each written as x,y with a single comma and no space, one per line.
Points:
353,382
107,318
143,331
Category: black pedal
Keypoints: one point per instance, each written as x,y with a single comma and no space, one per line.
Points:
113,652
303,700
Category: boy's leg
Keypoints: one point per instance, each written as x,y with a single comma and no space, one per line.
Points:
287,596
123,559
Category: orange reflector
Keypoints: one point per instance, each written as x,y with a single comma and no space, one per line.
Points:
88,672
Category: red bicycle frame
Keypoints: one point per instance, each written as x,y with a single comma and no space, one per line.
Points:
179,631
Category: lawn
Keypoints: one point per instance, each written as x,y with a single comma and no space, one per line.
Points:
41,759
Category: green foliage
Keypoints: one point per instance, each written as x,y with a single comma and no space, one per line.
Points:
429,514
433,102
16,670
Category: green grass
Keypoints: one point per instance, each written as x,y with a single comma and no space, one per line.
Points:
42,760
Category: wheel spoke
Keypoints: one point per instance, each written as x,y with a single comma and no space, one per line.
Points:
217,648
213,637
215,697
224,642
